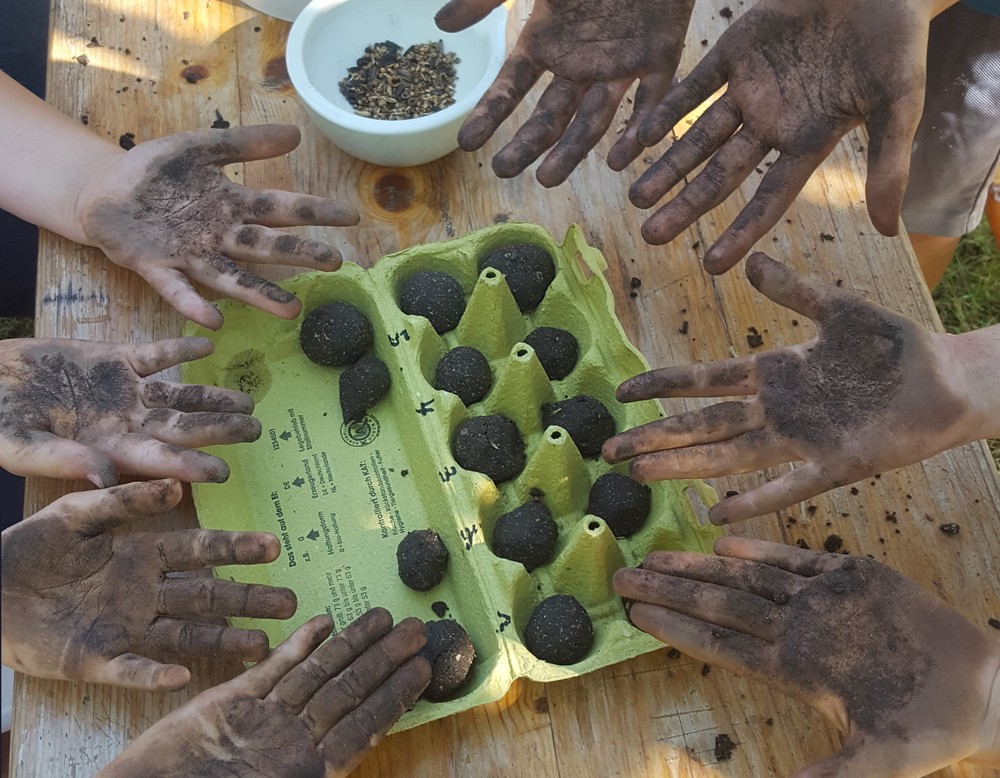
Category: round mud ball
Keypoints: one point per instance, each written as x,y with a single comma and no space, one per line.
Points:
464,371
335,334
491,445
451,656
585,419
556,349
527,268
362,385
622,502
436,296
527,535
421,558
559,630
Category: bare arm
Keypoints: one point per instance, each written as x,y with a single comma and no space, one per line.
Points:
165,209
872,392
47,160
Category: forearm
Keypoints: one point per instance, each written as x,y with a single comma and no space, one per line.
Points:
988,752
47,158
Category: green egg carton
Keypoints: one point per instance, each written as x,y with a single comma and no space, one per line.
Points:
341,497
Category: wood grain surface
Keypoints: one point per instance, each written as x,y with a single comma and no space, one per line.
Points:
652,716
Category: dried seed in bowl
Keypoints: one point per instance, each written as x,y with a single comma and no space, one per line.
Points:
389,83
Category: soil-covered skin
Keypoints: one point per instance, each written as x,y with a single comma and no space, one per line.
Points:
556,349
422,559
335,334
800,75
586,420
362,385
850,403
595,50
310,709
622,502
528,270
95,410
167,210
436,296
466,372
491,445
451,655
527,535
85,600
559,631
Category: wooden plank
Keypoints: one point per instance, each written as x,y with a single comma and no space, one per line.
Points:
654,715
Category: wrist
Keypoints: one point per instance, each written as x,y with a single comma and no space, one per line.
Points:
80,188
972,361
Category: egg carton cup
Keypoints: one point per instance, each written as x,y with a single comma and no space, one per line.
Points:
340,497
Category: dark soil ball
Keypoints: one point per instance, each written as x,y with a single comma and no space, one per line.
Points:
559,630
436,296
362,385
556,349
464,371
527,535
421,558
528,270
451,655
585,419
491,445
335,334
622,502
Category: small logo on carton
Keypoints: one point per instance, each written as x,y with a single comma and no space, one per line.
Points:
360,433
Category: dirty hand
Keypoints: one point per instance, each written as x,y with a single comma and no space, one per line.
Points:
304,712
166,210
800,75
595,49
871,392
908,682
86,409
83,596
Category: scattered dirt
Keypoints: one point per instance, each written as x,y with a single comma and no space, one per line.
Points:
724,747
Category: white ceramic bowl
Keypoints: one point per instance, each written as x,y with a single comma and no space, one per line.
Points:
280,9
329,36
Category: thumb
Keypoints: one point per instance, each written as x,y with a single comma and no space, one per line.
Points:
137,672
890,142
40,453
101,510
459,14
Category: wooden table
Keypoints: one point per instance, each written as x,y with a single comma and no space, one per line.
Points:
128,66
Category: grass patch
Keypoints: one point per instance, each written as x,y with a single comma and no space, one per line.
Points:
968,297
16,327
